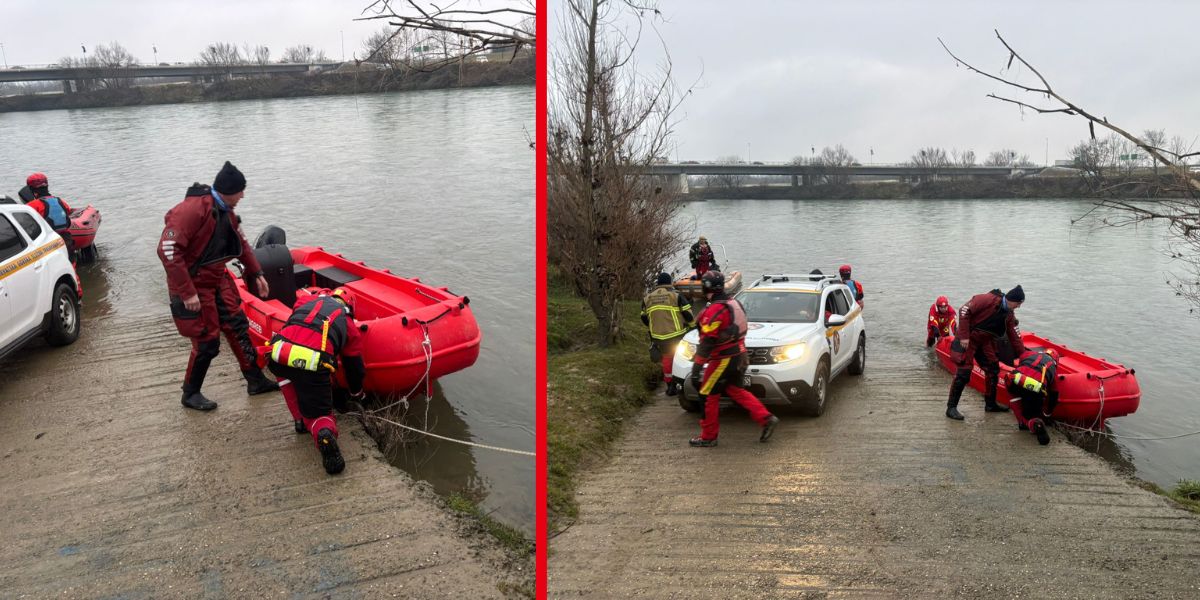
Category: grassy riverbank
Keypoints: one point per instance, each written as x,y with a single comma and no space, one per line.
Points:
592,392
470,74
945,189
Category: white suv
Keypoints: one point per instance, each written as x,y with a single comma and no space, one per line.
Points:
804,330
39,290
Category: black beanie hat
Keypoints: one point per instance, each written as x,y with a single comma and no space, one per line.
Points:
663,279
230,180
1016,294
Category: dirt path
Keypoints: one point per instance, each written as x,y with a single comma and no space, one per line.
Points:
112,489
880,497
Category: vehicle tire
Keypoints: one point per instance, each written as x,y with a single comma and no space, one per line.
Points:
859,363
818,396
65,323
88,254
688,404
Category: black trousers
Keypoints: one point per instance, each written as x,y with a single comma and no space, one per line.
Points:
314,389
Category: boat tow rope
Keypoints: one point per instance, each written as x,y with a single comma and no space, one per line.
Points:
427,348
448,439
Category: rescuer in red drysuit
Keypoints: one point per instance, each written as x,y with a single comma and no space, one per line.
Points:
722,346
304,355
701,257
200,235
855,287
1034,390
53,209
982,321
941,321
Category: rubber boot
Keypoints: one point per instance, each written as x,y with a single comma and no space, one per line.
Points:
989,396
192,398
331,456
956,390
257,383
700,442
1039,429
672,388
768,428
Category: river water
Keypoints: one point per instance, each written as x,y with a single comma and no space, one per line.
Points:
432,184
1098,289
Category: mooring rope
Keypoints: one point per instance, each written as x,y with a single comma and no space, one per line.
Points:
449,439
1127,437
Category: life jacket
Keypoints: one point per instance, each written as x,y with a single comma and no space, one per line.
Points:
313,336
56,215
727,338
225,242
855,289
664,313
1034,371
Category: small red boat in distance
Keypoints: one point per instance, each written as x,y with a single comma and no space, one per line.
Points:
1090,389
394,314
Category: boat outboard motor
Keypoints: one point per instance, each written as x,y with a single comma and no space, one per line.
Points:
26,195
271,235
277,265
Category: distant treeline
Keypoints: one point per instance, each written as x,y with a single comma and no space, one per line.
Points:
947,189
519,71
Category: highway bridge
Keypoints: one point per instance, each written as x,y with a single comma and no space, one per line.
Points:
806,174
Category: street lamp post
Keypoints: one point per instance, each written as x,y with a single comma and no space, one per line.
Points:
5,55
155,48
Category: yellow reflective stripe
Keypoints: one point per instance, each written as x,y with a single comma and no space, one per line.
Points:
780,289
298,357
324,333
712,380
24,261
711,327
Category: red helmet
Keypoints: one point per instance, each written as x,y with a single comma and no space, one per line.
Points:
37,180
942,302
346,297
844,270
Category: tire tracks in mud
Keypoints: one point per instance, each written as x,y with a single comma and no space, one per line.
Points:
881,497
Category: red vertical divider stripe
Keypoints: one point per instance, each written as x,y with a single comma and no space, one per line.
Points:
540,312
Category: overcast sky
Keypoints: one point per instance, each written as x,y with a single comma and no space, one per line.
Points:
784,77
41,32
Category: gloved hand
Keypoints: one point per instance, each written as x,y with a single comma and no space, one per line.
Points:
694,378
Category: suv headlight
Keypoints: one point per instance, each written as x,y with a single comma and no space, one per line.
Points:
686,350
780,354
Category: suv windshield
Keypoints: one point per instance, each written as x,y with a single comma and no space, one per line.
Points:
766,306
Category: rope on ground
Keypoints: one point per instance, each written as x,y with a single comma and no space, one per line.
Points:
1128,437
448,439
427,349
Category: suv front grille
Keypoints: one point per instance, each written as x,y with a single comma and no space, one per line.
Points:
759,356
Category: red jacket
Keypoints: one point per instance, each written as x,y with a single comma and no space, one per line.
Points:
723,329
978,310
189,228
942,322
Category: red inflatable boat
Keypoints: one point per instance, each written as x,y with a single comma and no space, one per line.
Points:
1090,389
394,315
84,224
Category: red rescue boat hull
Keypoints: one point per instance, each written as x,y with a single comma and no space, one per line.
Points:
1090,389
396,311
84,225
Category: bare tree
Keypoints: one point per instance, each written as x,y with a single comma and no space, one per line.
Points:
303,54
468,26
387,46
726,181
221,54
610,225
111,58
965,158
833,165
1181,212
258,55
